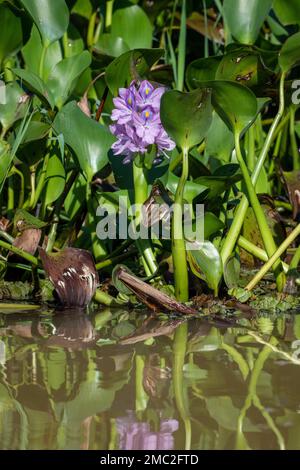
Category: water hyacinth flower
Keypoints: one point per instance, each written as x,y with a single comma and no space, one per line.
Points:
136,121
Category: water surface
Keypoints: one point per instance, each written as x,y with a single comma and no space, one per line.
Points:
71,381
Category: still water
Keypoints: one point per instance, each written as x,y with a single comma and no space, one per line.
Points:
126,380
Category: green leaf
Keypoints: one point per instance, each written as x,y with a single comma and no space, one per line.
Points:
191,189
218,183
36,85
186,116
76,195
74,44
110,45
289,55
15,105
202,70
212,224
89,140
10,33
245,18
288,12
32,52
55,180
219,140
236,104
63,77
36,130
205,262
5,161
129,66
244,66
50,16
232,271
133,26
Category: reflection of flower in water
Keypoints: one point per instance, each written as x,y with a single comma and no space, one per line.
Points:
134,435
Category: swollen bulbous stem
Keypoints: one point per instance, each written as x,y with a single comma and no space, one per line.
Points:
140,196
178,242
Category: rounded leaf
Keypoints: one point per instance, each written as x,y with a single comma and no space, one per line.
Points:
289,55
245,18
89,140
186,116
133,26
50,16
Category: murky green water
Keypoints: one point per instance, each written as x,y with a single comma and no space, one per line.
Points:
69,381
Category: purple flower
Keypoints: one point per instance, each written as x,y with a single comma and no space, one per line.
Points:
136,121
135,435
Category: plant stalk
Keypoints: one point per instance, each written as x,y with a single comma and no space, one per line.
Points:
178,242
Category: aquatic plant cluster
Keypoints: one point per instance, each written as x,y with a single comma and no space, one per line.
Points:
177,104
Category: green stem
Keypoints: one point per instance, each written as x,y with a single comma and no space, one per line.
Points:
239,216
264,228
140,196
179,351
182,48
91,29
105,299
254,250
40,185
296,259
251,149
109,12
178,242
116,259
10,195
141,397
42,61
295,151
22,186
19,252
276,256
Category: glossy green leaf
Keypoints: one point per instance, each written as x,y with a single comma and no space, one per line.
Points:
74,43
32,52
202,70
186,116
36,130
50,16
244,66
36,85
89,140
133,26
212,224
16,102
289,55
191,190
10,33
55,180
62,79
206,263
236,104
73,201
245,18
219,141
287,11
129,66
110,45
